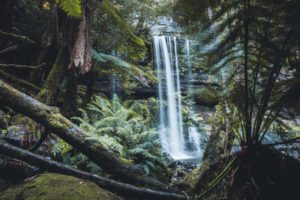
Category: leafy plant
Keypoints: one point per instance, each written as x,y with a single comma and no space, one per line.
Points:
124,129
253,43
71,7
120,64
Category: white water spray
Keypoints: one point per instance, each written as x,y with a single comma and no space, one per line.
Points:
170,103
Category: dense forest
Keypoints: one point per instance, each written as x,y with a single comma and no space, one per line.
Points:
149,99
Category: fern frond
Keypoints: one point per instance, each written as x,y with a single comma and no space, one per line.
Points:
71,7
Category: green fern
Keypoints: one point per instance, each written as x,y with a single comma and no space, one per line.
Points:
71,7
124,129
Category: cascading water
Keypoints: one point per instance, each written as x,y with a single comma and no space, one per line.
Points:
171,128
194,135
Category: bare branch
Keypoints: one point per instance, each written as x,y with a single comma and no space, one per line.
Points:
22,66
19,37
12,48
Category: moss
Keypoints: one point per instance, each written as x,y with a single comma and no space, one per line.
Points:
113,13
50,89
30,124
126,161
188,183
206,96
297,130
51,186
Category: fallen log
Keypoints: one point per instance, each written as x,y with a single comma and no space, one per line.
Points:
122,189
56,123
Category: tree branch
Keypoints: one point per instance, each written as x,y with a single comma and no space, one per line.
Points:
12,48
19,37
22,66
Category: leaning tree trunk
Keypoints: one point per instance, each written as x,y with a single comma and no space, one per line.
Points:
50,89
122,189
56,123
74,57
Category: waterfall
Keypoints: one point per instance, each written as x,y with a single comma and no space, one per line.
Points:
171,128
194,135
170,119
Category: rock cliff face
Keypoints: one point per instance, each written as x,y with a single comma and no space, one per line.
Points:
49,186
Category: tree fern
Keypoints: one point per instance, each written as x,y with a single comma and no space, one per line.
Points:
254,44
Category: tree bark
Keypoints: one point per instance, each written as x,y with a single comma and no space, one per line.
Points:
122,189
56,123
50,89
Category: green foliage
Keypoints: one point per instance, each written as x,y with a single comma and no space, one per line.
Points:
124,129
206,96
115,62
117,36
109,9
71,7
250,44
61,147
121,47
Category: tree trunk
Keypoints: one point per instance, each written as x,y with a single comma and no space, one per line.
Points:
72,134
125,190
50,89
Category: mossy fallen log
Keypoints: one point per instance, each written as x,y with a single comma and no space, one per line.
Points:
56,123
122,189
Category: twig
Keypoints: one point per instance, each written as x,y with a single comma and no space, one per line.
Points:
12,48
22,66
19,37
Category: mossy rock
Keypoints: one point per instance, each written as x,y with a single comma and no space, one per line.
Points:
206,96
49,186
